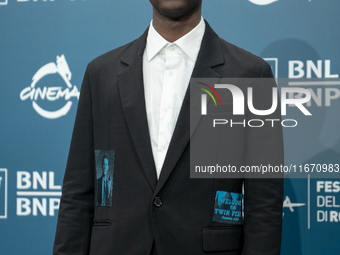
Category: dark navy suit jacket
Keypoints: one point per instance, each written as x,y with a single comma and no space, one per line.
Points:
174,213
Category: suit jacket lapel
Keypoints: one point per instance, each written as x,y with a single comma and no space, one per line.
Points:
131,89
209,56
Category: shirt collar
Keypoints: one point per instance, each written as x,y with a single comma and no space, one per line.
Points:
190,43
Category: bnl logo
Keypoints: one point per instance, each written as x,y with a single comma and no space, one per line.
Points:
3,193
3,2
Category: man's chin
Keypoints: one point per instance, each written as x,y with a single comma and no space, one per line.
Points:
176,9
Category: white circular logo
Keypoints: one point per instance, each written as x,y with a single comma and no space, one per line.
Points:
51,93
262,2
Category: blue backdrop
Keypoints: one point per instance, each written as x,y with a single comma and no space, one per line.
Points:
45,47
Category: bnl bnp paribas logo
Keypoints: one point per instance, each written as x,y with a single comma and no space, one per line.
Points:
51,96
37,194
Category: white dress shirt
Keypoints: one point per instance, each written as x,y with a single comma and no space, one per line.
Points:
167,69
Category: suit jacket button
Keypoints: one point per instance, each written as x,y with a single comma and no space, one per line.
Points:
157,202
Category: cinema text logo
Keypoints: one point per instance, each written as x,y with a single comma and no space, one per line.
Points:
51,93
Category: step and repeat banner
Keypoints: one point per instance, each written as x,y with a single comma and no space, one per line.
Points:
44,49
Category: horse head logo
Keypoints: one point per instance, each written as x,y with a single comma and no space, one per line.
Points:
51,68
63,68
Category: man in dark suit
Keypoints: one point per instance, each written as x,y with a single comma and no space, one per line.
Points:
104,185
156,207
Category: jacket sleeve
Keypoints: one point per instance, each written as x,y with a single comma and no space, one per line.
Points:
263,197
75,218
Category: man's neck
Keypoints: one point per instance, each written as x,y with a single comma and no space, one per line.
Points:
171,30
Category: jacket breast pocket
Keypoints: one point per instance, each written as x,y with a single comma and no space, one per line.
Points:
218,239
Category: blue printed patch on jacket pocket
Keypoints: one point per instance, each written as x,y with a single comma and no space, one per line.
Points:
228,207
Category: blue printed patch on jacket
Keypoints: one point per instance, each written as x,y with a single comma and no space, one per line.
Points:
228,207
105,174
